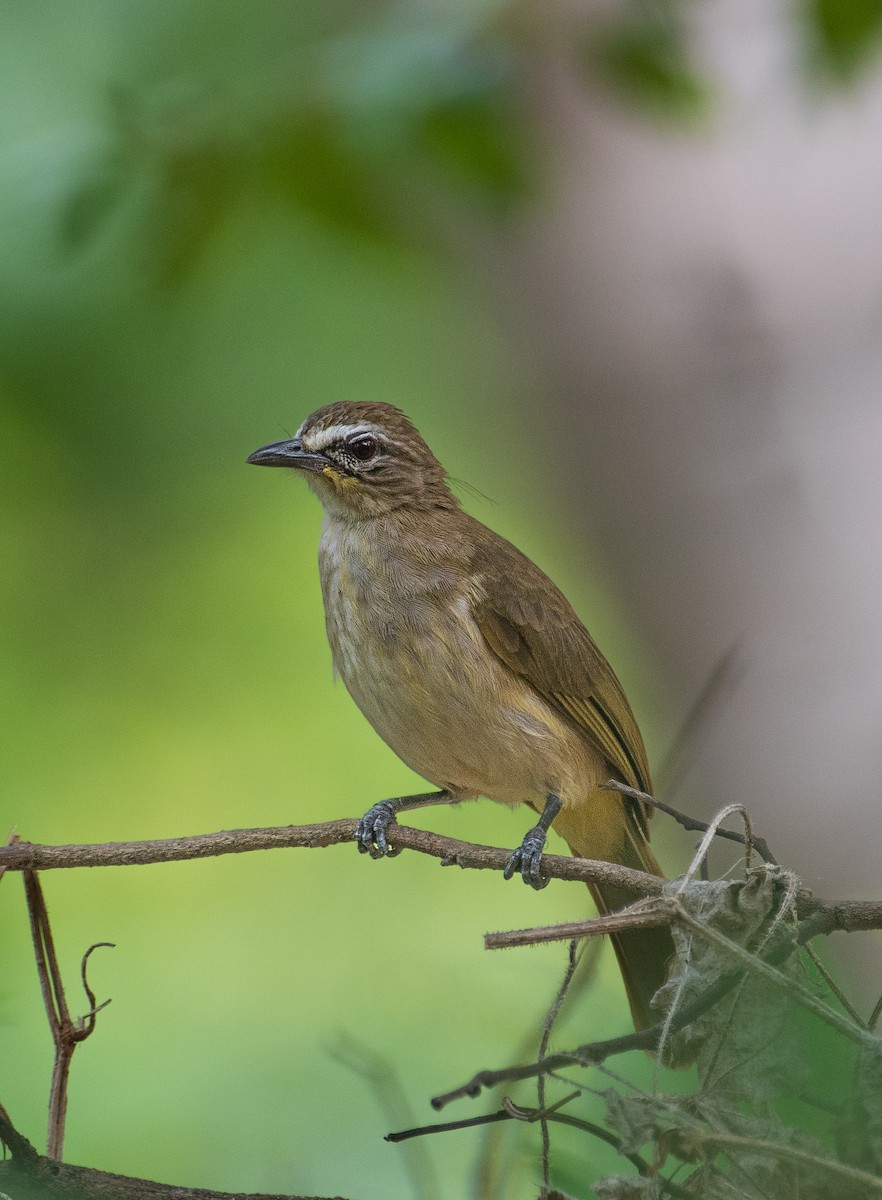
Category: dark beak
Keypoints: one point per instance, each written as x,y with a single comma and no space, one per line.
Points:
288,454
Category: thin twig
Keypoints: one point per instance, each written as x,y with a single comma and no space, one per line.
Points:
835,988
404,1135
593,1053
875,1014
553,1014
715,826
512,1112
66,1033
850,916
490,1176
588,927
691,823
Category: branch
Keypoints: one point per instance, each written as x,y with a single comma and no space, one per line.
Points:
31,856
512,1112
30,1176
848,916
567,930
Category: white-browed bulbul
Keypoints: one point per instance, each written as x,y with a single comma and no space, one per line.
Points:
469,662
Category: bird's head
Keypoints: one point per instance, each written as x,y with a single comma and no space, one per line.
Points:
362,460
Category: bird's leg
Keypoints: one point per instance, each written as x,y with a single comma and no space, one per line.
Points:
371,830
528,856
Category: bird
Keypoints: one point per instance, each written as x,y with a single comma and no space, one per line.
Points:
471,664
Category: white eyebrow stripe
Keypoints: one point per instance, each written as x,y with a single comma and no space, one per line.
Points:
322,438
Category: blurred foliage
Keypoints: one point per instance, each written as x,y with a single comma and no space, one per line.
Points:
361,128
644,57
843,35
213,219
645,52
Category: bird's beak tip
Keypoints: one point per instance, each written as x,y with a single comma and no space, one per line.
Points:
286,454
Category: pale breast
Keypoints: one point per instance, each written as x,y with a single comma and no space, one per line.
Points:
406,646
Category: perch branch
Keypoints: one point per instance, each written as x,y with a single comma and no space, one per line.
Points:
849,916
452,852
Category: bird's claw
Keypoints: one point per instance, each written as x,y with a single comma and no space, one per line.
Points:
528,859
372,828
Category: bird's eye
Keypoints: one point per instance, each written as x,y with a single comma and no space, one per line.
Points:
363,448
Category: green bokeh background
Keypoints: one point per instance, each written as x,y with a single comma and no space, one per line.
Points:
214,218
206,232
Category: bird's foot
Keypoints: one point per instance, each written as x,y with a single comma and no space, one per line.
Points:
371,830
528,859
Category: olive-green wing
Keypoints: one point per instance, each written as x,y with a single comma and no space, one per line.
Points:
529,624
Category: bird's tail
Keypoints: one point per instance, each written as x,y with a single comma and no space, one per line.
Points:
604,828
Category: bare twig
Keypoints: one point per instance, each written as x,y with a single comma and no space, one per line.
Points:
850,916
548,1025
66,1033
698,866
835,988
691,823
513,1112
593,1053
18,1146
404,1135
589,927
489,1179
